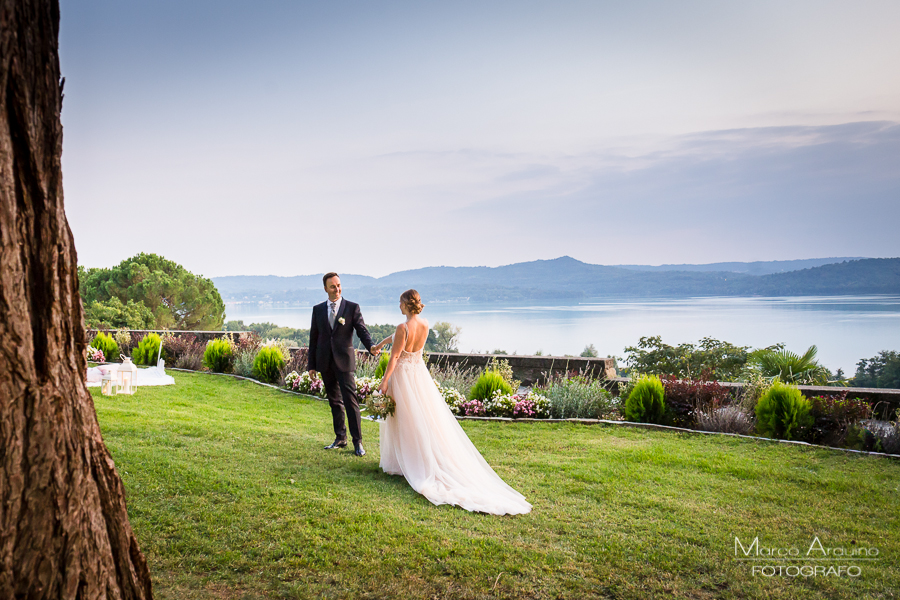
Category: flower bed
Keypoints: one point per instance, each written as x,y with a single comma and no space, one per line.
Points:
830,418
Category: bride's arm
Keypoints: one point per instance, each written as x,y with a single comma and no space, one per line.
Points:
382,344
399,343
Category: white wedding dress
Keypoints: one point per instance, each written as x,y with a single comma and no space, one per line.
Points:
424,442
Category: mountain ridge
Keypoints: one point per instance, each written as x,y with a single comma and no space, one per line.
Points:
570,279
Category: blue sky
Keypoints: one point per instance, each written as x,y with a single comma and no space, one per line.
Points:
369,137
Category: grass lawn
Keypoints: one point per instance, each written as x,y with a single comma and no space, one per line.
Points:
232,496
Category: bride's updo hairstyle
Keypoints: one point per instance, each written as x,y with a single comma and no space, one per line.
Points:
412,301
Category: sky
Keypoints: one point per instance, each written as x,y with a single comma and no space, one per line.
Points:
290,138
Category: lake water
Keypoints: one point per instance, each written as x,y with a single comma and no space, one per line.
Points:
845,328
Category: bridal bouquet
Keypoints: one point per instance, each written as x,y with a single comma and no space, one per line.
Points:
380,406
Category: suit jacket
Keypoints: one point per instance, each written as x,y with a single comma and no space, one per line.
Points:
334,346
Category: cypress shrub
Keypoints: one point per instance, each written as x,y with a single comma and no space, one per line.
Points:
107,345
218,356
383,361
487,384
782,412
268,364
646,402
147,350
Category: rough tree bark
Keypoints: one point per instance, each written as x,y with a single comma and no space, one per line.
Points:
64,530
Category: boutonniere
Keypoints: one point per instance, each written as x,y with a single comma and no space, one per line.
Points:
341,321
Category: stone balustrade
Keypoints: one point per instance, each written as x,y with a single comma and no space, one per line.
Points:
532,370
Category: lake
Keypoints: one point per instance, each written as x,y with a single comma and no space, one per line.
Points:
845,328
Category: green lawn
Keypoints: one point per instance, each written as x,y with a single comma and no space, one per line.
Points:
232,496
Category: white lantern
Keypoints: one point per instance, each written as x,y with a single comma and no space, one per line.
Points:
126,380
106,384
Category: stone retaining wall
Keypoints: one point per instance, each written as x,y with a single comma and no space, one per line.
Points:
531,370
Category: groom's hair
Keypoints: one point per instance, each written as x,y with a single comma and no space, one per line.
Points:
327,277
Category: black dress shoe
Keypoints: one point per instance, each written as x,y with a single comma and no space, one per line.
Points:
358,449
336,444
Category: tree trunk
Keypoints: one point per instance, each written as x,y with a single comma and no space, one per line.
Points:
64,530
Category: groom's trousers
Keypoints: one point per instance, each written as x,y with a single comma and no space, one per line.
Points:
340,387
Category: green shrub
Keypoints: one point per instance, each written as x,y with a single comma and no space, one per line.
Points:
147,350
218,356
268,364
503,367
487,384
646,402
383,361
243,362
107,345
578,397
782,412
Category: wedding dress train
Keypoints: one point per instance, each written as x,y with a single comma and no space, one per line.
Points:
424,442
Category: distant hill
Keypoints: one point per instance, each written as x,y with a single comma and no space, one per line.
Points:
569,279
867,276
750,268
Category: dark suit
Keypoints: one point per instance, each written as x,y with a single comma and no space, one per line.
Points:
331,353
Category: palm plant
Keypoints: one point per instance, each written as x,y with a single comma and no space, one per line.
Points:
790,367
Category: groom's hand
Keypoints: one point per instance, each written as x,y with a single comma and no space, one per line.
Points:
373,351
312,372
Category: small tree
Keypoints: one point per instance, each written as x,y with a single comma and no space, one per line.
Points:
177,298
723,361
589,351
880,371
447,337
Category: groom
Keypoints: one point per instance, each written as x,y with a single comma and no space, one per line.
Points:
331,353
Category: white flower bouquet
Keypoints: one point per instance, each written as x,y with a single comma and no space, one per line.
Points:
380,406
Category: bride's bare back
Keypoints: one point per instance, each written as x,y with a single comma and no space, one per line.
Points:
416,334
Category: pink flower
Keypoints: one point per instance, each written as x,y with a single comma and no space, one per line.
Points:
472,408
524,409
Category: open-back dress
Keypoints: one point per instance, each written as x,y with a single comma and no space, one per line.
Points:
424,442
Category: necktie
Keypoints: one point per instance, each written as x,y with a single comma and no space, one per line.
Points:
333,314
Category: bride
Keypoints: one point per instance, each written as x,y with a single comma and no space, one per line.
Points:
423,441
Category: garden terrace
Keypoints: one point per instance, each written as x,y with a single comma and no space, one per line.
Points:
231,496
